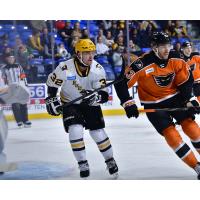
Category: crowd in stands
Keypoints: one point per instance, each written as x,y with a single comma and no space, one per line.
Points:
40,45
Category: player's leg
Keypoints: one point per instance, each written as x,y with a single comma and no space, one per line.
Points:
17,114
3,130
105,147
4,166
192,130
73,123
95,123
163,123
24,111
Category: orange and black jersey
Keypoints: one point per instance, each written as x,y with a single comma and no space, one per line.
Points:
194,62
157,79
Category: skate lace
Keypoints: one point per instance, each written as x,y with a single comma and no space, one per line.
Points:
111,164
84,167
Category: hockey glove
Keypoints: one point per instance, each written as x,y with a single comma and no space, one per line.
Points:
53,106
131,109
96,98
193,105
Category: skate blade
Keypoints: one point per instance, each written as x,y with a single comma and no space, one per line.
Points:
6,167
27,126
84,178
115,175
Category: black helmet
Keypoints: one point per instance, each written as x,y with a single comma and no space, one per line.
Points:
186,44
160,38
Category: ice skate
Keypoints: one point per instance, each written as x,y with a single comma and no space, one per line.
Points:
112,167
84,169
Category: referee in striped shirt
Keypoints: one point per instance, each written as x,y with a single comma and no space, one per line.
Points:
14,73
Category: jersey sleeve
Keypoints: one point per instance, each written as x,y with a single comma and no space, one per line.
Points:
100,78
184,81
58,76
182,73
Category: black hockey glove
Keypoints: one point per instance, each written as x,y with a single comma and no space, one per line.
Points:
131,108
96,98
193,105
53,106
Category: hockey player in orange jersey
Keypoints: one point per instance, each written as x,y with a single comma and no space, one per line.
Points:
164,81
193,60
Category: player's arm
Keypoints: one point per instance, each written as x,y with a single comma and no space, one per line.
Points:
185,81
196,86
102,95
122,90
54,81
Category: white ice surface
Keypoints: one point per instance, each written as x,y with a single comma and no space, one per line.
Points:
44,152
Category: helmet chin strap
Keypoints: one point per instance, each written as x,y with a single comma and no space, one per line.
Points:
81,60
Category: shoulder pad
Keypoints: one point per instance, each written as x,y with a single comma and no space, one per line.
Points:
142,62
137,65
63,66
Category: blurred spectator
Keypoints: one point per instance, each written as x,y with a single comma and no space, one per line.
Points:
169,27
45,39
85,33
179,30
76,32
65,33
101,48
119,43
4,41
18,44
62,52
35,42
133,47
100,34
107,24
109,39
177,46
121,24
133,57
73,43
146,28
114,29
23,57
38,25
116,57
134,36
121,33
6,50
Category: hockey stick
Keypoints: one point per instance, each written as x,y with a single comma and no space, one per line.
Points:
142,110
117,80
